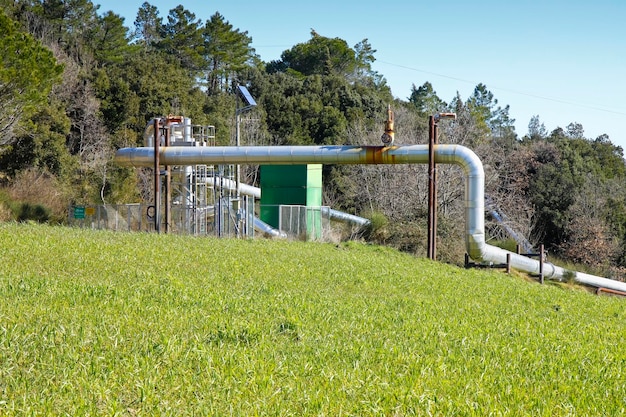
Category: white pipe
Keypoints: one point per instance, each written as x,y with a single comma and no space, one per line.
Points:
267,229
231,185
347,217
472,167
256,193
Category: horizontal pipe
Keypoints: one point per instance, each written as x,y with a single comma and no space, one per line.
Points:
467,160
229,184
256,193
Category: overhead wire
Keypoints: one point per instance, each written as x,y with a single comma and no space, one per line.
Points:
508,90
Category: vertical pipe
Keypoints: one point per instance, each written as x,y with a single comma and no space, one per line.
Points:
431,186
237,143
168,183
157,178
238,167
218,212
541,264
435,202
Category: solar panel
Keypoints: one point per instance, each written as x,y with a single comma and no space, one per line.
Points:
246,96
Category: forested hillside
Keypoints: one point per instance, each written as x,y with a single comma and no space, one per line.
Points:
77,82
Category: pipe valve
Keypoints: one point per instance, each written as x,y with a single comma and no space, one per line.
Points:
388,136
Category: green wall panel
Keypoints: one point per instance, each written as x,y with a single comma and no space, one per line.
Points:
289,185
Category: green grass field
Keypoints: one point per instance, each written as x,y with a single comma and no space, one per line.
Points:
97,323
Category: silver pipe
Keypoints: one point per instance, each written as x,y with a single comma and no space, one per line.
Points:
261,226
347,217
468,161
256,193
231,185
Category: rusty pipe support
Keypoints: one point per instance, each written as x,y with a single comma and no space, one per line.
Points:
157,177
431,243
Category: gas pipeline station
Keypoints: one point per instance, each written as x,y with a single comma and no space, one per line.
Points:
198,189
210,199
206,198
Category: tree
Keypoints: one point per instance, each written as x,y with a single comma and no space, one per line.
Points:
426,101
227,51
148,26
27,73
610,157
181,38
111,43
321,55
144,83
590,240
536,129
118,104
73,23
493,120
575,131
502,125
468,130
364,74
481,104
41,143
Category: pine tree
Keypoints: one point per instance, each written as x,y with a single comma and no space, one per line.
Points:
226,52
27,73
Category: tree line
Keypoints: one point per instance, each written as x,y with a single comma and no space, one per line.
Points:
77,83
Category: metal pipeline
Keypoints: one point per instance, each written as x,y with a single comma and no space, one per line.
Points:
467,160
347,217
265,228
231,185
256,193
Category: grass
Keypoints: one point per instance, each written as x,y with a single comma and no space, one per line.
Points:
97,323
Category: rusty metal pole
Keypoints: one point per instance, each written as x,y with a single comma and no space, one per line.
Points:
431,188
435,202
157,178
168,184
432,182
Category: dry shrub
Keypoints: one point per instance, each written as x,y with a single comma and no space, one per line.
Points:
5,213
39,188
589,243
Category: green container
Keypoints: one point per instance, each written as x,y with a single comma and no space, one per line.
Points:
289,185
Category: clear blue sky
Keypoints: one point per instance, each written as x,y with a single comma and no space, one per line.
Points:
563,60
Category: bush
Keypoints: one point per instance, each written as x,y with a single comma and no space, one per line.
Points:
35,212
5,212
376,230
36,196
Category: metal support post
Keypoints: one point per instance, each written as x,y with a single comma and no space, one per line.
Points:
432,182
432,235
168,184
157,178
541,261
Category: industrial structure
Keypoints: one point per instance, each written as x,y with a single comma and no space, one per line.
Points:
210,199
458,155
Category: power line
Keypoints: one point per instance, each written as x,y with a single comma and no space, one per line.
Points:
508,90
